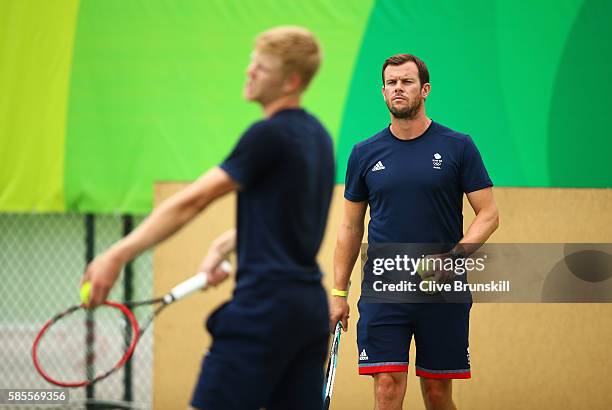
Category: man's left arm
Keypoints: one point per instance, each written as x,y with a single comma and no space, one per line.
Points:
481,228
483,225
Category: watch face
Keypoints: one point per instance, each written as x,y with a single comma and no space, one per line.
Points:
455,254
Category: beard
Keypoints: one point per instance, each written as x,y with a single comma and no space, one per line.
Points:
407,113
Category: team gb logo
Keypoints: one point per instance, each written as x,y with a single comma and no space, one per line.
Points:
437,161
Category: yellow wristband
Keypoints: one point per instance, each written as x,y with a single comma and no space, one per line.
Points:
336,292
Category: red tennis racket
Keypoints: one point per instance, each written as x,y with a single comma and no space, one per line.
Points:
80,346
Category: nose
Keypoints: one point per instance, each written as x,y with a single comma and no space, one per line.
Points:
396,88
250,69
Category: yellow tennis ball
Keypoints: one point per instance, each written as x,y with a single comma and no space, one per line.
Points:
85,289
421,269
423,265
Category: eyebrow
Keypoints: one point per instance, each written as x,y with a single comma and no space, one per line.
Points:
405,77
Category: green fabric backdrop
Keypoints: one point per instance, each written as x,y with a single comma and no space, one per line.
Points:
99,99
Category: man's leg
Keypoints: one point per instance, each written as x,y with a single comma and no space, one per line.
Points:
441,335
300,387
389,390
437,394
245,360
384,331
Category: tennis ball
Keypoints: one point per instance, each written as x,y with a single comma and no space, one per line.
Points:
422,266
85,289
421,269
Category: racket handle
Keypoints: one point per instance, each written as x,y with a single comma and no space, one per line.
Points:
192,284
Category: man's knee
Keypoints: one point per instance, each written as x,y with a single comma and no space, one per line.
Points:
390,386
437,393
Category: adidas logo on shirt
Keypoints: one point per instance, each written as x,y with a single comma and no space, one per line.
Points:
379,166
363,355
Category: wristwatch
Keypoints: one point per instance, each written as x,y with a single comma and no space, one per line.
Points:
456,254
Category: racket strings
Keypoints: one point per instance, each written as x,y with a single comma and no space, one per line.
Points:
133,304
145,324
330,374
82,346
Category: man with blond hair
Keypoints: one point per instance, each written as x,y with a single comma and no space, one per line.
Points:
269,341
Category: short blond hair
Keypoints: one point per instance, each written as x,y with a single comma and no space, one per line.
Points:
296,46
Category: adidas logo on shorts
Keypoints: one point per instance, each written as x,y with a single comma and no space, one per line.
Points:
379,166
363,355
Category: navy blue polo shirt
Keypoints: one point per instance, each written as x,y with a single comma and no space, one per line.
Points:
415,187
285,167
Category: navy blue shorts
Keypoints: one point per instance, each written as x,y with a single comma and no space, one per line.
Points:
440,331
269,349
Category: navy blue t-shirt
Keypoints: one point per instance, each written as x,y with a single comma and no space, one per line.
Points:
285,167
415,187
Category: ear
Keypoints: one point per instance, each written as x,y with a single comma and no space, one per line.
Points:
293,83
425,90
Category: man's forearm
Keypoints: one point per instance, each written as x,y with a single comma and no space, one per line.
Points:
481,228
173,214
345,256
164,221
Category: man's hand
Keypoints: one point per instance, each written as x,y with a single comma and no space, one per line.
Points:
219,249
102,273
439,268
339,312
211,265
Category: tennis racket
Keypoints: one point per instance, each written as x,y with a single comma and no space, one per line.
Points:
79,346
330,374
332,364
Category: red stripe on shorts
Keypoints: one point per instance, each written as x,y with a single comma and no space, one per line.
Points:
388,368
460,375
